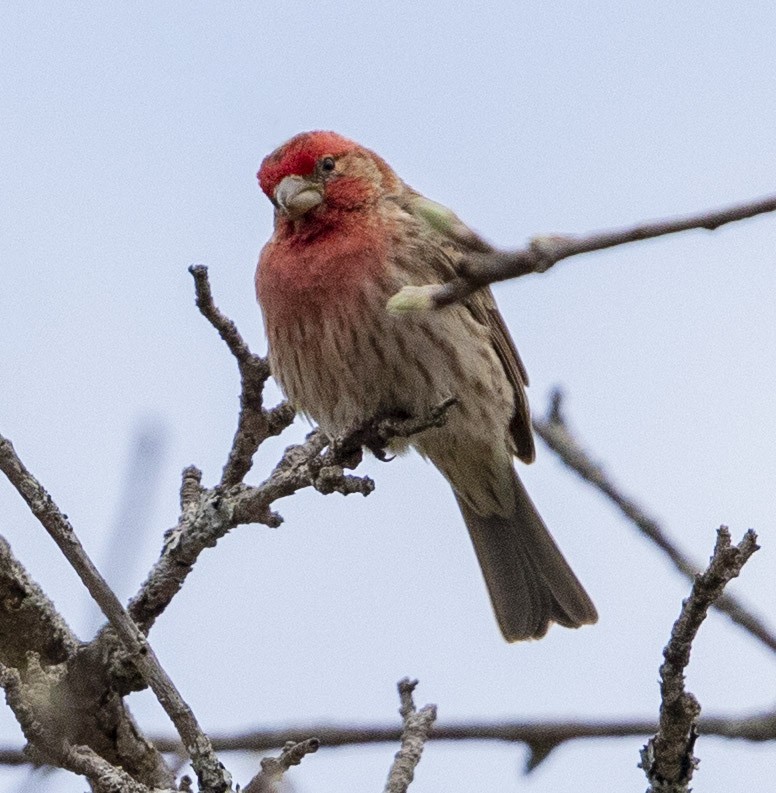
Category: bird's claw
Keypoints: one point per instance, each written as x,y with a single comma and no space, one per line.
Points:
375,434
378,450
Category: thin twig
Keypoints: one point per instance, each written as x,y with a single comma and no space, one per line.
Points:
556,433
417,726
212,775
273,768
480,269
668,759
320,464
255,424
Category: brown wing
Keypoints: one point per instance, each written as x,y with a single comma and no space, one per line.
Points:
483,306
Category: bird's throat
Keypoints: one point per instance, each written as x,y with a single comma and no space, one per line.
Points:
301,272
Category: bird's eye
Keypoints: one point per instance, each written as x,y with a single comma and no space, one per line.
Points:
328,164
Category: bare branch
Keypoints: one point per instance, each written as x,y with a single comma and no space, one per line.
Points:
255,424
556,433
313,464
212,775
207,515
754,727
668,759
417,726
480,269
273,768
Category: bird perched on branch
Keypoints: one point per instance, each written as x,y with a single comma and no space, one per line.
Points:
349,235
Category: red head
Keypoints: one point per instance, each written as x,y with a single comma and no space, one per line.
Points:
316,172
299,157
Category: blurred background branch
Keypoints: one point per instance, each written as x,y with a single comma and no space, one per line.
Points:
555,431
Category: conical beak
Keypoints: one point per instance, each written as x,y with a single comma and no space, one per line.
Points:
296,195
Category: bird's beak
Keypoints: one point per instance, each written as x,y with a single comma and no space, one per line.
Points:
296,195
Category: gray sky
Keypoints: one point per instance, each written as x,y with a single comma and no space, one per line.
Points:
131,135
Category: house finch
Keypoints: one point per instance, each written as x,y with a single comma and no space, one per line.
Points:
349,234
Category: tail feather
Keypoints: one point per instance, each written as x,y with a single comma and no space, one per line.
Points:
530,583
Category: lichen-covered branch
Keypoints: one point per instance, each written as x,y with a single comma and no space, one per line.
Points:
555,431
417,726
668,759
62,684
207,514
29,623
105,778
273,768
47,744
212,775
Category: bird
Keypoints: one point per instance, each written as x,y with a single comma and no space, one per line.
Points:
348,235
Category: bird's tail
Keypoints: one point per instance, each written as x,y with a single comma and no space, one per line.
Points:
531,585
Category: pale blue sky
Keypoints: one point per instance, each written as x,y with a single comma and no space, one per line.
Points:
131,134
